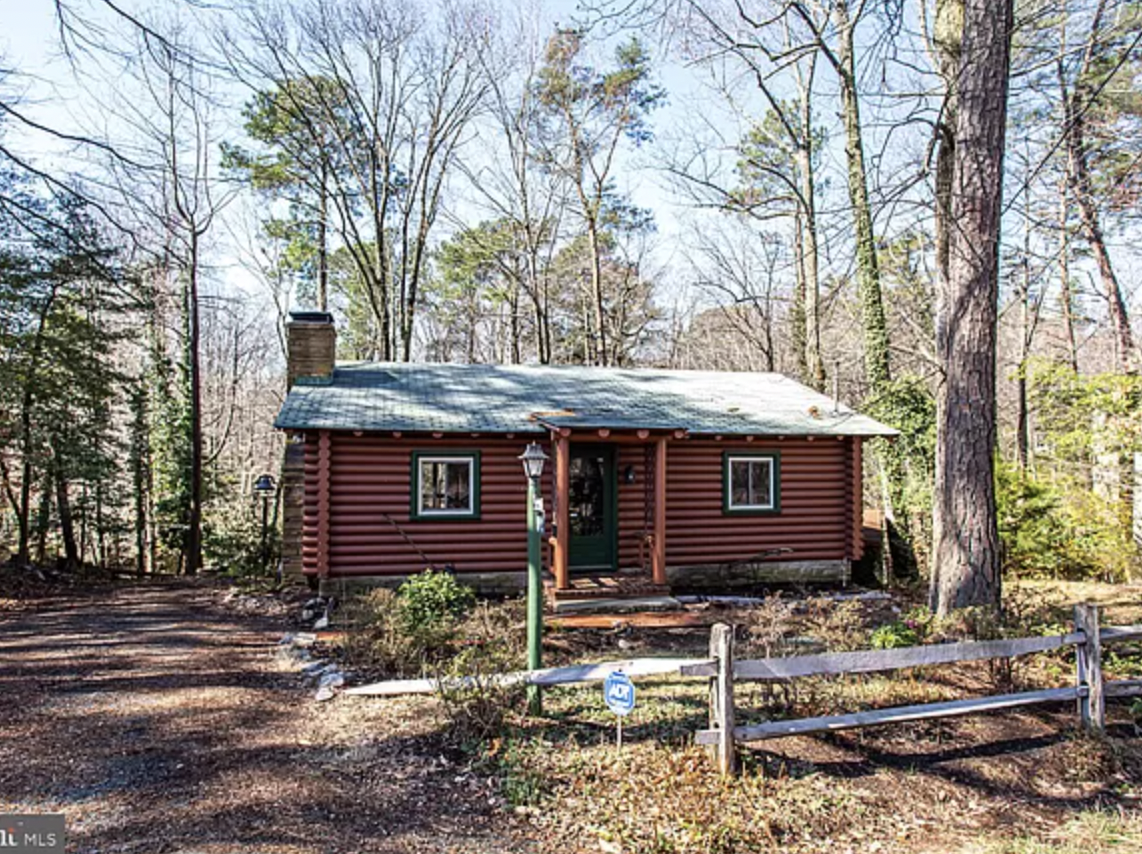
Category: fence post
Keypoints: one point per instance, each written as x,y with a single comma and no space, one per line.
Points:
1088,667
722,697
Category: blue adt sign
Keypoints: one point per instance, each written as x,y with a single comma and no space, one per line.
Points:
618,691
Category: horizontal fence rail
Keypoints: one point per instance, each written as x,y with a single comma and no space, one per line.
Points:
894,715
1090,690
840,663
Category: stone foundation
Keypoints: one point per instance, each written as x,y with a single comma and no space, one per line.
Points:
484,583
723,577
713,578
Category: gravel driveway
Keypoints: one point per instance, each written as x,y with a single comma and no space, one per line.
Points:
159,721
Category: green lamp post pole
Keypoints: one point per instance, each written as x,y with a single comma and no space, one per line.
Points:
533,459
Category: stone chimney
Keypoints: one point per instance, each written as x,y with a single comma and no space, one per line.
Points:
311,344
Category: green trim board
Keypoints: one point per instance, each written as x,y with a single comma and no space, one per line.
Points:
414,511
775,460
598,551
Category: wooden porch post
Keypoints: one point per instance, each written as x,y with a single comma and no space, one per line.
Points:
658,560
562,538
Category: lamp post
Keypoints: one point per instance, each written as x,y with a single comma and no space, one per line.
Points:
533,459
264,487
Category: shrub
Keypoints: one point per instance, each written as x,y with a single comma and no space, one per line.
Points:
432,599
232,541
768,625
893,636
476,701
1024,615
400,634
840,626
1062,531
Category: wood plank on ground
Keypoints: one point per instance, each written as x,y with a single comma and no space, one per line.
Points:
635,668
897,714
640,620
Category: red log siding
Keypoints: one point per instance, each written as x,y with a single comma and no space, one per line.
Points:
633,524
371,476
820,515
814,521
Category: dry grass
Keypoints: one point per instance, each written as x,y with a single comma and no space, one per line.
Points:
997,784
1094,832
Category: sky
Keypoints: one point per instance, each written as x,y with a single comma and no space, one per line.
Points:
29,42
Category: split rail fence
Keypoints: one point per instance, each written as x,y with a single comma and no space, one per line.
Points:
1090,690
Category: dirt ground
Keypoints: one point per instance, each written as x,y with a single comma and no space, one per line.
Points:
157,720
161,718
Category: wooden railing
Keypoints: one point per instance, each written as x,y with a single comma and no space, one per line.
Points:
1089,689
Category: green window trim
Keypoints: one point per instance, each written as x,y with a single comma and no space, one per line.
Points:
774,458
446,455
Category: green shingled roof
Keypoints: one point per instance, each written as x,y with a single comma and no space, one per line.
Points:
522,399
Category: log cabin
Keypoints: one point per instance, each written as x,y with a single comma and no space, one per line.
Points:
657,479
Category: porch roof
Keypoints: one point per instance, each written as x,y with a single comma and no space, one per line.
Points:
373,396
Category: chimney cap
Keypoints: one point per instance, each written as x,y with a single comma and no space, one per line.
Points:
310,317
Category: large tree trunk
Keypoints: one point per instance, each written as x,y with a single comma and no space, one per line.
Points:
66,527
323,239
947,33
798,326
598,305
44,521
966,550
1023,416
24,505
140,459
877,371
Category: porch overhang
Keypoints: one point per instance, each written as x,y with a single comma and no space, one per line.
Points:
562,435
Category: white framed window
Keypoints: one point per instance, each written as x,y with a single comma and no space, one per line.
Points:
446,485
751,483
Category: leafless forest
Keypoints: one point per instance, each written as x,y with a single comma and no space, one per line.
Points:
930,208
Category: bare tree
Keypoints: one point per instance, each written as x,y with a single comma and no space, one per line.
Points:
740,271
831,27
168,196
594,112
512,183
1079,94
397,94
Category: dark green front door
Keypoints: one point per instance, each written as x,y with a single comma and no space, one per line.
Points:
592,495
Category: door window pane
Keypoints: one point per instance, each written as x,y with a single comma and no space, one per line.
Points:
587,496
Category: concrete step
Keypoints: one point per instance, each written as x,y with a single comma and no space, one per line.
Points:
615,605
